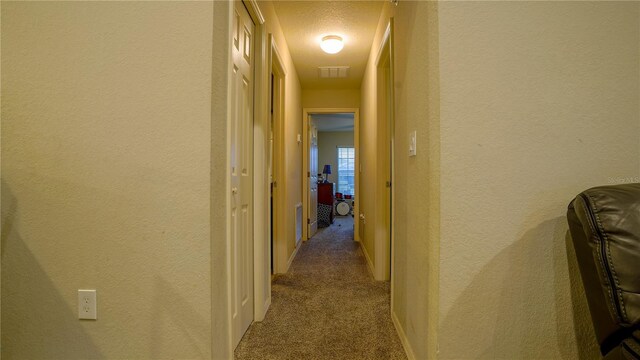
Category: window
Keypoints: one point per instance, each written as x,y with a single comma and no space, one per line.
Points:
346,170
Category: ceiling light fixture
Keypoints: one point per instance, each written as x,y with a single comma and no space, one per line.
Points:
332,44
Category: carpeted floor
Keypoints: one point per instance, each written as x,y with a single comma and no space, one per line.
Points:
328,306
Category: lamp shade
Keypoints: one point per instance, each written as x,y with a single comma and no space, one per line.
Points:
331,44
327,169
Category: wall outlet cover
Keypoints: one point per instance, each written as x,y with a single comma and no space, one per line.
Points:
412,143
87,305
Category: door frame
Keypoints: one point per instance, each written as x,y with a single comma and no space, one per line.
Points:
384,60
261,288
262,294
257,86
306,112
310,136
261,219
276,67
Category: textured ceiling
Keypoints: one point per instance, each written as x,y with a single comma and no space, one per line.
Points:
333,122
305,22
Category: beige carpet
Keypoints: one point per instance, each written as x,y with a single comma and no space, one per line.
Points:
328,306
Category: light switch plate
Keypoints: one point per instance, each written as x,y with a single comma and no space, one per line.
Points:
412,143
87,305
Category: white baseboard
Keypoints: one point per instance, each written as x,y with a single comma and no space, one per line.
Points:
267,304
266,308
403,337
299,224
369,262
293,255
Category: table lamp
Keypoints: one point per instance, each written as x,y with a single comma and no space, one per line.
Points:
326,170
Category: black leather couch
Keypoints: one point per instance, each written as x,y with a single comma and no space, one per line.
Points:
605,228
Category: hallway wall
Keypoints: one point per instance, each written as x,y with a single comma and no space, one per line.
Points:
366,229
220,343
292,126
331,98
106,140
416,183
417,179
539,101
415,233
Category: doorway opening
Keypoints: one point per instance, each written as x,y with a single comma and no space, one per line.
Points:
241,195
330,158
277,75
385,154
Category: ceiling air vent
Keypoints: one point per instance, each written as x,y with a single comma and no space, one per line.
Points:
333,72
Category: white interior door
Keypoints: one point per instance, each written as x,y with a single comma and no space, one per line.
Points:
313,178
241,172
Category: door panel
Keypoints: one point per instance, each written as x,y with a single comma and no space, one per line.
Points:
242,87
313,178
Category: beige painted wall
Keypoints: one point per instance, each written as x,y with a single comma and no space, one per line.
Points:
368,144
0,186
539,100
416,182
328,141
292,127
220,322
106,140
331,98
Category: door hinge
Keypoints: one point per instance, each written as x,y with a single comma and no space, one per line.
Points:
388,184
308,173
308,221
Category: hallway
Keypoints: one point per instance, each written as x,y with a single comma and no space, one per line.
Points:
328,306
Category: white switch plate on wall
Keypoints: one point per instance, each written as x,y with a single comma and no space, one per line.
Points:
412,143
87,305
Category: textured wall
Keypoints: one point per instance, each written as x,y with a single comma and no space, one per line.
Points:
416,183
106,122
221,339
417,221
328,141
539,100
369,144
331,98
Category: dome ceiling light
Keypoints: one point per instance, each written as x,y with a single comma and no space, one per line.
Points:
332,44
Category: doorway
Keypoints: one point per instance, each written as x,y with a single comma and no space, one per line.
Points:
276,179
241,172
329,168
385,155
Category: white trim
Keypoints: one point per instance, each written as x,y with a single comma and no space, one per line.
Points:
276,65
276,52
254,11
267,303
393,154
229,120
372,270
403,337
260,205
355,167
384,116
302,223
293,256
385,40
